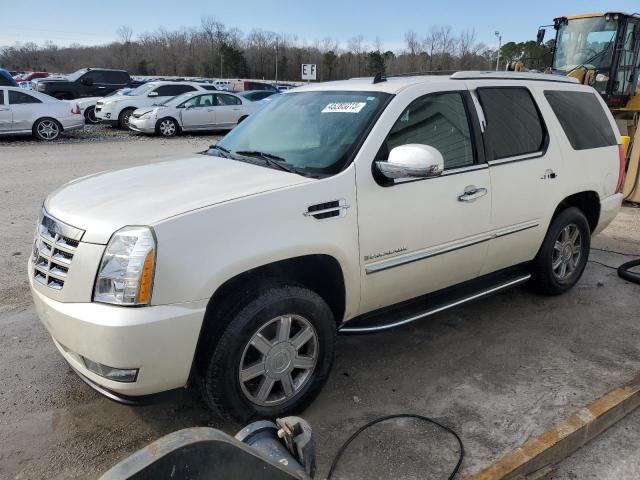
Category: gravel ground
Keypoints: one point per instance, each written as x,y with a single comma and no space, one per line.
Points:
499,371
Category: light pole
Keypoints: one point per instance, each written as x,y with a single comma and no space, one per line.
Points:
499,45
276,59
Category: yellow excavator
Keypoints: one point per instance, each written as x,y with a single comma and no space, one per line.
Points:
603,50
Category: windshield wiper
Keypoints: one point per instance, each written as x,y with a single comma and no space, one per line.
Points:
225,152
270,159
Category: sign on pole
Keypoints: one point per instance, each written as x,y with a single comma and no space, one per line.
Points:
308,71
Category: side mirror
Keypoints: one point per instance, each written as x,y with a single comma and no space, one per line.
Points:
412,161
540,36
153,94
87,82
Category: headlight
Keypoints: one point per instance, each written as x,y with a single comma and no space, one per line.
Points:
126,271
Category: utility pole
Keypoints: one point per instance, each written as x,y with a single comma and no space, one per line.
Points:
499,45
276,59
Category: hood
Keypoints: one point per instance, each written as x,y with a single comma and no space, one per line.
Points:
143,110
102,203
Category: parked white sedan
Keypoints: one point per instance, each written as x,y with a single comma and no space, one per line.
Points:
192,111
33,113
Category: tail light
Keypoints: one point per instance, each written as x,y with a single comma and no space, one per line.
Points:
621,153
76,109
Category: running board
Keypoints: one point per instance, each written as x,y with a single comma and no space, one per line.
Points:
428,305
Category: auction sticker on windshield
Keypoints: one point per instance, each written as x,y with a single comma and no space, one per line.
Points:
346,107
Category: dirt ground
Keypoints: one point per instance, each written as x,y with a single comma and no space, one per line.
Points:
498,371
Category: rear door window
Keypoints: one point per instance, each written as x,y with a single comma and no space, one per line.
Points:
1,97
514,125
582,118
227,100
16,98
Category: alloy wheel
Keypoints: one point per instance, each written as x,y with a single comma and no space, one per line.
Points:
567,251
48,129
278,360
167,128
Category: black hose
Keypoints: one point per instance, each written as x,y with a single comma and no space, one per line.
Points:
344,446
623,271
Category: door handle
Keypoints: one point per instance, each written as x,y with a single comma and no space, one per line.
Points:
472,193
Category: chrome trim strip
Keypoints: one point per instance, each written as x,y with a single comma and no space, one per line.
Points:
439,309
446,248
517,158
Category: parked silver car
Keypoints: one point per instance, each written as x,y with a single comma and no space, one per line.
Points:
192,111
33,113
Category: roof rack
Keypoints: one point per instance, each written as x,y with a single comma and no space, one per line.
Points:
542,77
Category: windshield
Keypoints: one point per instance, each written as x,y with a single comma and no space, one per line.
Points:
313,132
585,42
178,99
142,89
77,74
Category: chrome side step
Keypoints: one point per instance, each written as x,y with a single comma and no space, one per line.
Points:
437,309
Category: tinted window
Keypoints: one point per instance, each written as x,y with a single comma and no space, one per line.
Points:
1,97
19,97
173,90
582,118
440,121
113,77
228,100
209,87
513,124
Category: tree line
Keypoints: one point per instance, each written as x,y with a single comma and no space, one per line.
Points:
213,50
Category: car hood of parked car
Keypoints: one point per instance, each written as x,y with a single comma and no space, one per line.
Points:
104,202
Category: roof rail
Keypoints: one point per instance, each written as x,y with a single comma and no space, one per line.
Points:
541,77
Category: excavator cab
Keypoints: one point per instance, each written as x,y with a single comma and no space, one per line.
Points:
601,50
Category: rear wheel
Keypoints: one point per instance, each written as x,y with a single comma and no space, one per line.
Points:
564,253
167,127
274,356
47,129
123,118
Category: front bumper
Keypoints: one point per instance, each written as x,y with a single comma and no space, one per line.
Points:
143,125
105,115
609,208
160,341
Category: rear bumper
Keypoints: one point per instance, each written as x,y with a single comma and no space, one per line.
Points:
73,125
609,208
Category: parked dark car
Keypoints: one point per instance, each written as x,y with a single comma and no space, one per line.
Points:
6,80
86,82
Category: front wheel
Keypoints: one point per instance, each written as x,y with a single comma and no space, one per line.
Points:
274,356
564,253
90,115
167,127
47,129
123,118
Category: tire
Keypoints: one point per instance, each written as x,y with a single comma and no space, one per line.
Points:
47,129
123,118
90,115
271,355
167,127
564,253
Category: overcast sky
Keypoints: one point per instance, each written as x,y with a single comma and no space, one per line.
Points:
96,21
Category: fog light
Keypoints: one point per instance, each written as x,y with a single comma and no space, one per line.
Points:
108,115
115,374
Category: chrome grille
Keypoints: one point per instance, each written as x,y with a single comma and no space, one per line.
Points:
53,250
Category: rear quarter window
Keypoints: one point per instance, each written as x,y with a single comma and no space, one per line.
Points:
582,118
514,126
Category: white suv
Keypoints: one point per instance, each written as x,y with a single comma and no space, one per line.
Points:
116,110
348,206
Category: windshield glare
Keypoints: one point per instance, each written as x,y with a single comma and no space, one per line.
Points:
174,101
77,74
315,132
142,89
585,41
